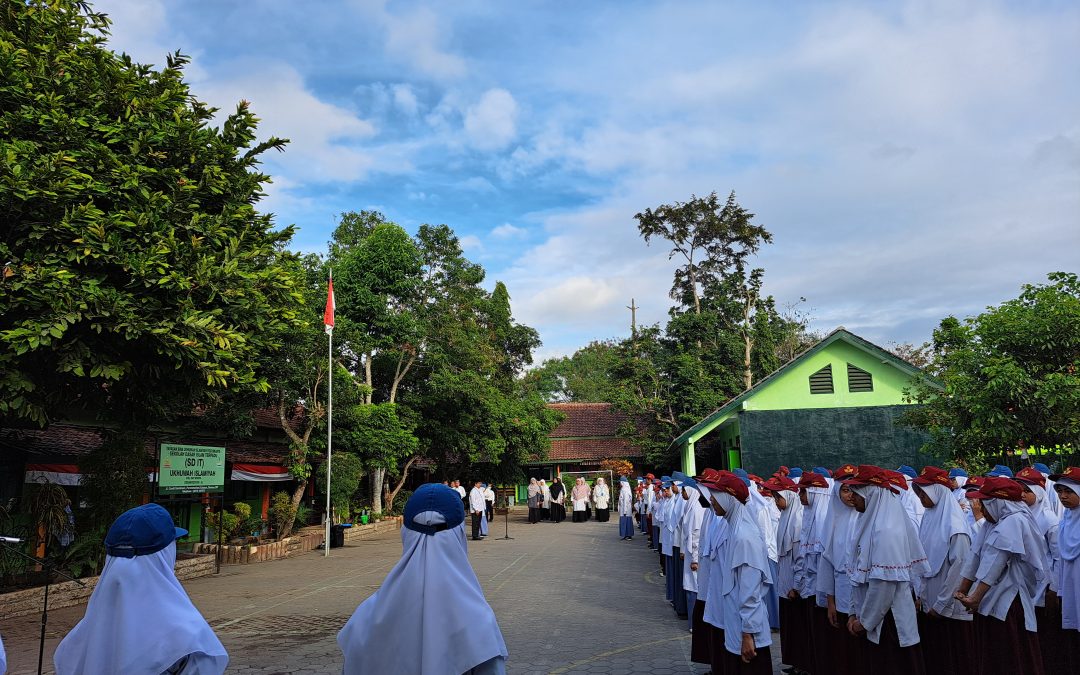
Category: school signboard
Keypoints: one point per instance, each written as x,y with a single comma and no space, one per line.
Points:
191,469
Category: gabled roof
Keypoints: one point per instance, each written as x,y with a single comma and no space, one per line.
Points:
587,420
841,334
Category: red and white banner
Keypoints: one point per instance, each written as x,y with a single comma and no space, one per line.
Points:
60,474
260,472
331,306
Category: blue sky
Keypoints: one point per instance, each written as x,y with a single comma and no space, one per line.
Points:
912,159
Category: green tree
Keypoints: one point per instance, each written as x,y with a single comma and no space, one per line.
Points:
347,471
137,273
585,376
1011,376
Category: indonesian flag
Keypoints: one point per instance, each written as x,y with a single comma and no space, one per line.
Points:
328,315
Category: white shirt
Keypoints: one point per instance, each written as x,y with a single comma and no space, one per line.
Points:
461,491
489,495
476,500
691,542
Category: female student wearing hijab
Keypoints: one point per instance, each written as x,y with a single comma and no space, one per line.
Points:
846,652
410,625
579,496
888,559
626,509
558,499
945,625
743,585
692,521
1002,576
545,500
1067,487
700,562
534,501
794,640
601,496
814,495
139,619
1047,606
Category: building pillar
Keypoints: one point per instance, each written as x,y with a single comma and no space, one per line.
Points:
689,463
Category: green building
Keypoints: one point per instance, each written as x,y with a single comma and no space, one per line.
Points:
839,401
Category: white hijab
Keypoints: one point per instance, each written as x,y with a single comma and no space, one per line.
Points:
139,620
811,539
412,624
787,532
940,524
887,546
838,531
1045,518
1015,531
744,545
1069,532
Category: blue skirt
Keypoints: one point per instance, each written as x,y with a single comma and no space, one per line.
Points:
772,600
626,526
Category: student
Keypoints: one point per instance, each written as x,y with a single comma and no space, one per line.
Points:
476,508
744,583
846,652
579,497
674,525
702,639
626,513
1001,578
545,501
1067,487
692,519
814,495
663,546
945,625
1047,607
410,625
489,500
888,558
907,497
601,497
3,657
958,479
460,489
1052,500
794,642
139,619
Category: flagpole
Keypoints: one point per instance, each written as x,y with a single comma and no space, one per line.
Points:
329,425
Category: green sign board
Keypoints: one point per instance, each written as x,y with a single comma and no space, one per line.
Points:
191,469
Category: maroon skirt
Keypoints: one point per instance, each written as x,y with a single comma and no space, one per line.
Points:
889,658
716,650
732,664
819,638
948,645
701,640
1053,640
1006,646
846,653
795,648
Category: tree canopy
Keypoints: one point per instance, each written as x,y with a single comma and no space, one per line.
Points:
1011,377
137,273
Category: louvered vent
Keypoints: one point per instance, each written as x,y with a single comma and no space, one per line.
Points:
821,381
859,380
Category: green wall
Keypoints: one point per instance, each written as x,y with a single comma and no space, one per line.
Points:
792,389
829,438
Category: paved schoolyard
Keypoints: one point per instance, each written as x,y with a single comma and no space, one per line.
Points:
570,598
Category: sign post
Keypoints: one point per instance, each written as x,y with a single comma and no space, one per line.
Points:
191,469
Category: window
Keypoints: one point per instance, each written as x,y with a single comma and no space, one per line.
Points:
821,381
859,380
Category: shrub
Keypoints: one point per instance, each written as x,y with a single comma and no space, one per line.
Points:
282,511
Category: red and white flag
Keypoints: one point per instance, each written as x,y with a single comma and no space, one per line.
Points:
328,315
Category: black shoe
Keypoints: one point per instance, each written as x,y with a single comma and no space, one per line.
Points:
476,538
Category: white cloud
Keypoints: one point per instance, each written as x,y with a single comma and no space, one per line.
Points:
415,38
470,243
507,231
405,99
491,123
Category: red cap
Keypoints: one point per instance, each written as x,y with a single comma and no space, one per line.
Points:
868,474
778,483
1072,473
896,478
650,476
728,482
783,471
810,479
1032,476
932,475
999,487
756,478
974,483
846,471
707,475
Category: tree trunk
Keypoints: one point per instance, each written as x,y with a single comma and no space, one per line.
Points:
377,477
297,496
367,378
748,375
390,497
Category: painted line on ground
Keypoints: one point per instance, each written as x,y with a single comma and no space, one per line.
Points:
613,652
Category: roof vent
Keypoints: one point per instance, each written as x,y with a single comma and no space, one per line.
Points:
858,380
821,381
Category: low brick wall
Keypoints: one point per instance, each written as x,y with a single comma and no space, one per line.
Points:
69,593
358,531
303,542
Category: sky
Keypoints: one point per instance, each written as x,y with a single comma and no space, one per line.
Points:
913,160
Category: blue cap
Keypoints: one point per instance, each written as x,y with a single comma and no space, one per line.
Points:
822,471
143,530
624,479
957,473
1000,470
741,473
665,479
434,497
908,471
1041,468
794,472
679,477
690,483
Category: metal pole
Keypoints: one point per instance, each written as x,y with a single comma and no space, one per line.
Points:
329,436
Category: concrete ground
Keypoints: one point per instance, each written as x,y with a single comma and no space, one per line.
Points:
570,598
